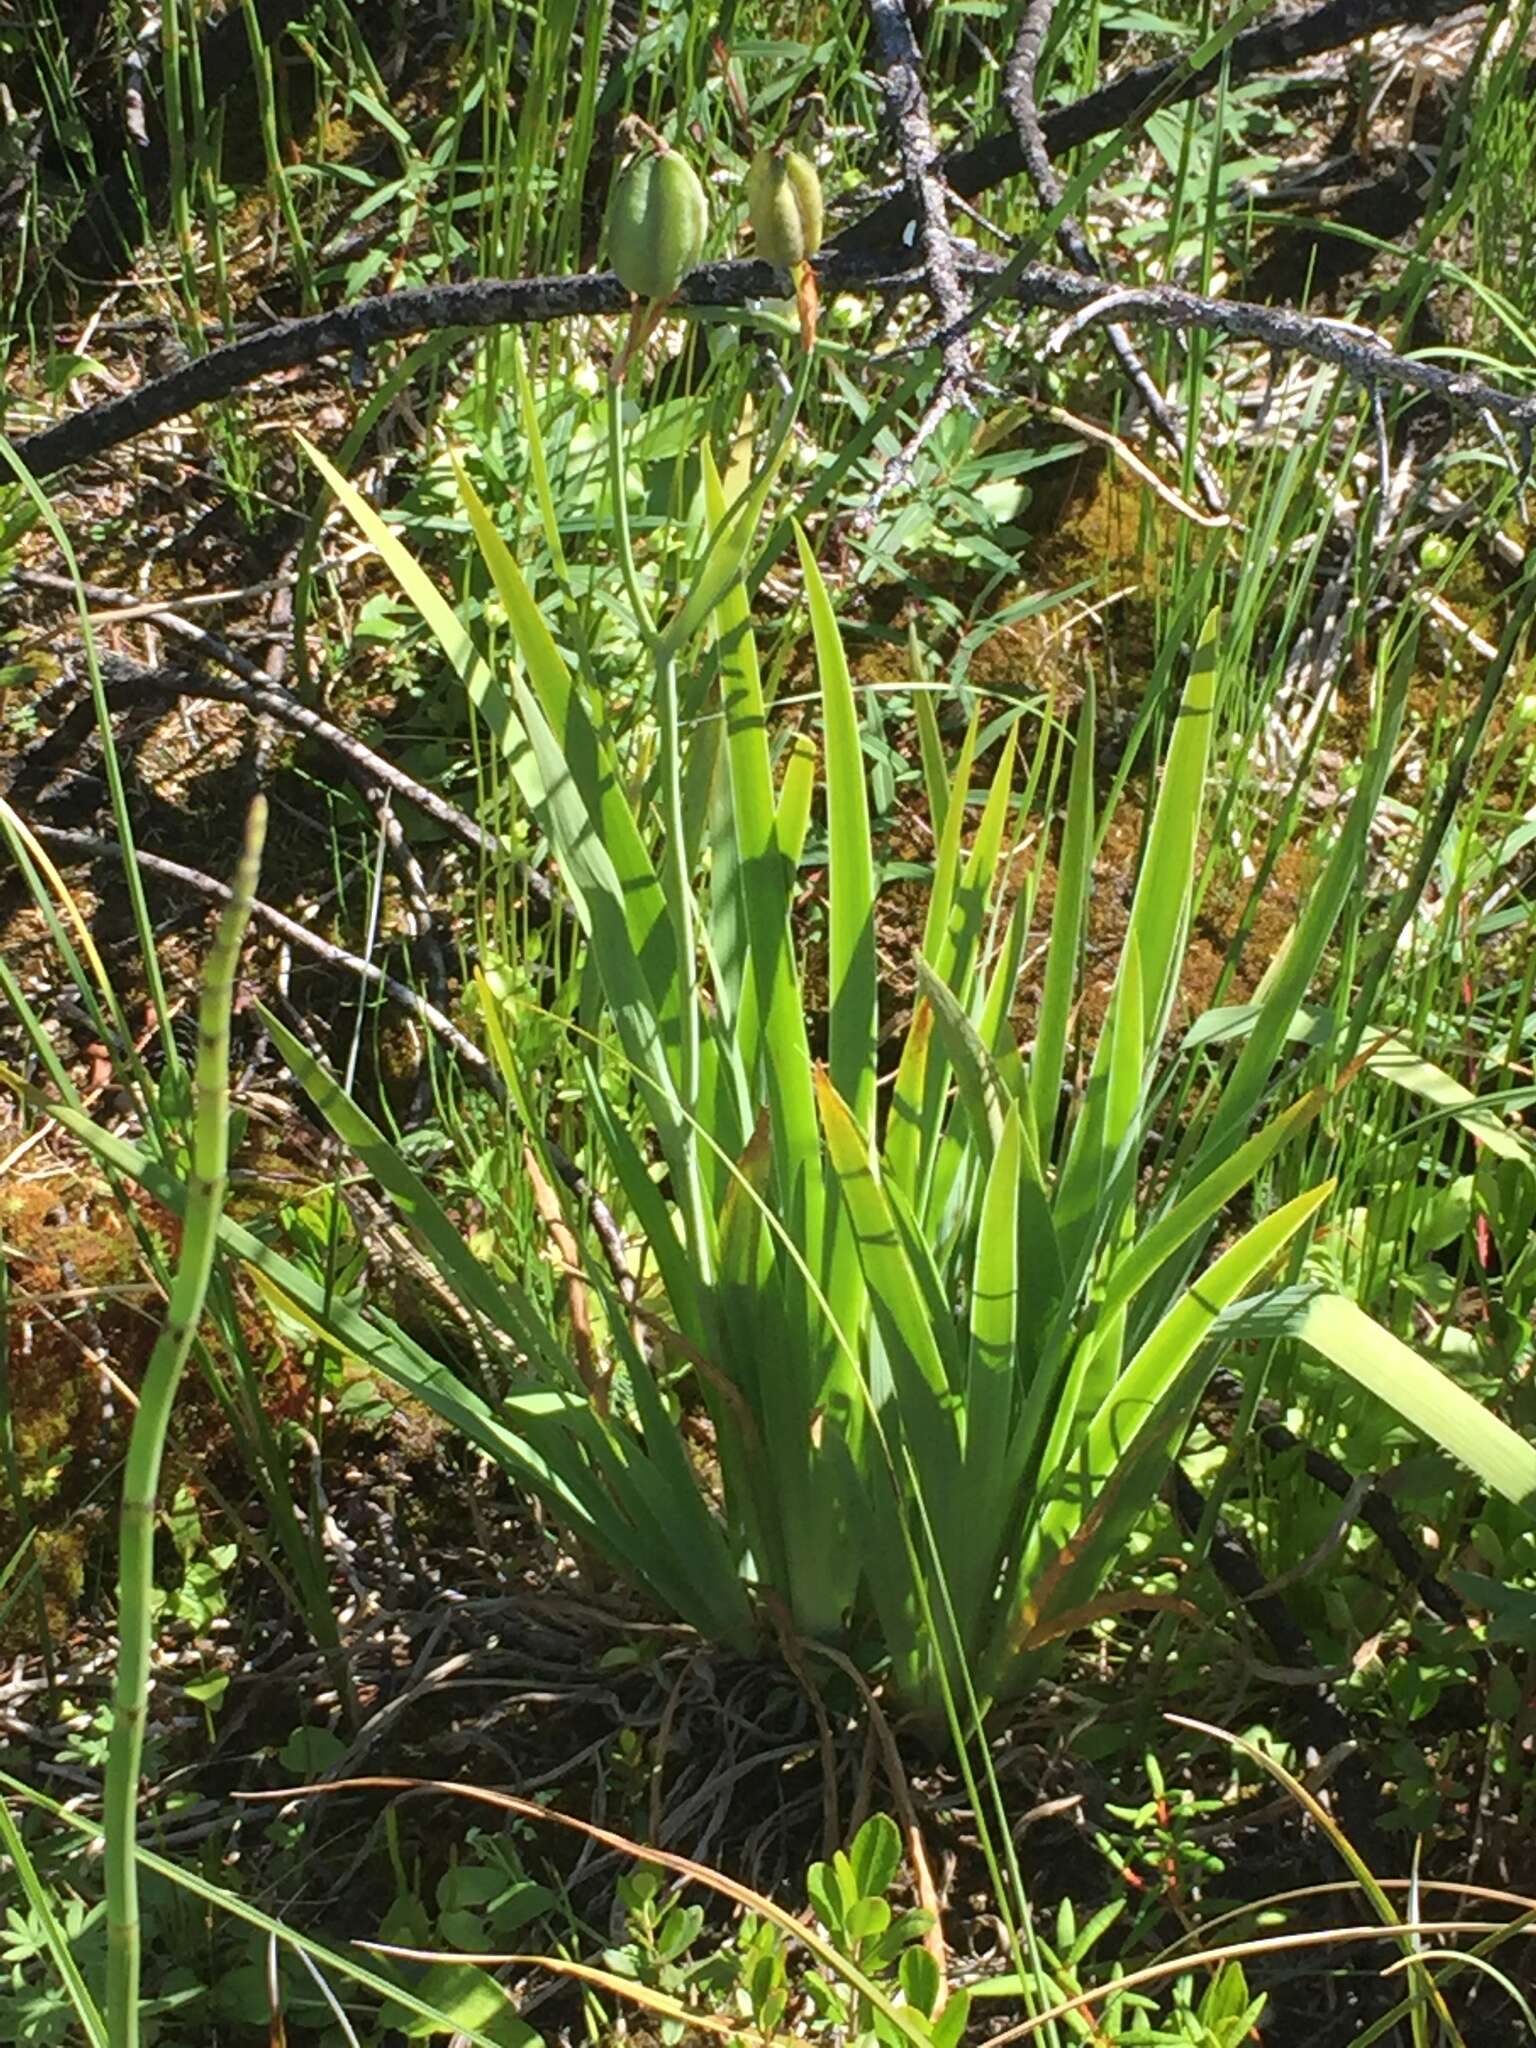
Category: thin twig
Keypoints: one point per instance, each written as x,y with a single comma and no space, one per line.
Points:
294,932
261,697
1369,362
1019,96
165,616
604,1225
1091,431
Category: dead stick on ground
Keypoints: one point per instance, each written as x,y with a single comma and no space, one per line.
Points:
278,703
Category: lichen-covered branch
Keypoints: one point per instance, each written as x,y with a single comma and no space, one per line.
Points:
906,108
527,300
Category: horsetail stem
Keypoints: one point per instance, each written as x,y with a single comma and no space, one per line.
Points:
146,1443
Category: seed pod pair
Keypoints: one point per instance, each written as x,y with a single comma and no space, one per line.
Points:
784,206
657,221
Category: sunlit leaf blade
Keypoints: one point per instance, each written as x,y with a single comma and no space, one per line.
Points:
1162,1239
951,949
449,630
1097,1487
893,1286
53,1938
1170,1347
765,872
796,790
1396,1062
954,952
936,778
729,546
585,756
1159,919
851,969
949,824
994,1360
1340,1331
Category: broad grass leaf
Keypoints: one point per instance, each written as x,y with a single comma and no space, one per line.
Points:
851,964
1340,1331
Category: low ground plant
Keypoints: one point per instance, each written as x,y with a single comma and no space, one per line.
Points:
869,1294
945,1334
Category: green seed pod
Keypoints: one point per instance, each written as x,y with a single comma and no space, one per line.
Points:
784,205
656,223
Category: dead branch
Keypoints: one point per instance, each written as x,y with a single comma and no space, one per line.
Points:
1362,357
906,109
1276,44
273,701
526,301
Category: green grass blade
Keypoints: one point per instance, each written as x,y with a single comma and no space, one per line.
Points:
796,791
983,1091
851,964
1159,919
936,781
1286,986
1187,1217
996,1338
765,867
1105,1118
1157,1366
190,1880
949,825
92,2026
954,954
1093,1495
1338,1330
894,1288
586,758
449,630
994,1019
1386,1054
729,545
909,1132
473,1284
